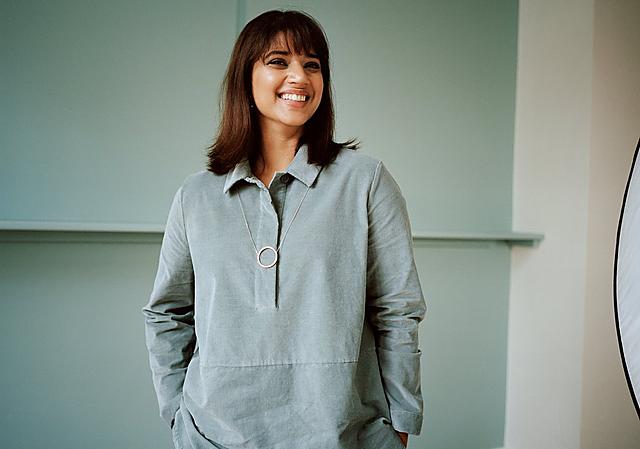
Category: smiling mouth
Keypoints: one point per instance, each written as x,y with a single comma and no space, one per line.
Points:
294,97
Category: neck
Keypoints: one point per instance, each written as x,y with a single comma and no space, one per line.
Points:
278,149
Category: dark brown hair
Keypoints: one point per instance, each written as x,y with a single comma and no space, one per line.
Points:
239,131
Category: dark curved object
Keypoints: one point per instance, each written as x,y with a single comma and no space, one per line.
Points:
626,281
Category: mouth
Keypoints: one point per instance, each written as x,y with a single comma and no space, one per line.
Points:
296,98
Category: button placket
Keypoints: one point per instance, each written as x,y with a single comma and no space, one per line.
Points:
266,279
279,189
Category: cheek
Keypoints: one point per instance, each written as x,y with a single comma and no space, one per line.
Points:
263,85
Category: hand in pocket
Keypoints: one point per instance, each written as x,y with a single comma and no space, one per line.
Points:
404,437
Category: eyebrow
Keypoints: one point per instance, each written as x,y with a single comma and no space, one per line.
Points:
286,53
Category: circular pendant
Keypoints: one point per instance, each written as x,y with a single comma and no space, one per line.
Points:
275,256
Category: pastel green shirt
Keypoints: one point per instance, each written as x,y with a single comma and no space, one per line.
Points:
318,351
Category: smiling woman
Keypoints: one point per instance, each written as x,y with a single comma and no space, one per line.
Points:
277,52
286,304
287,90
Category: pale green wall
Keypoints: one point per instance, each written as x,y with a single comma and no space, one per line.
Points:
107,106
75,372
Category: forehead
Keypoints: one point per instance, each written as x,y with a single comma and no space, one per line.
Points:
287,43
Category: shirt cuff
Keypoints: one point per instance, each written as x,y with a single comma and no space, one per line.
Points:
406,421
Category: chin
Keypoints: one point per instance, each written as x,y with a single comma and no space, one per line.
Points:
295,123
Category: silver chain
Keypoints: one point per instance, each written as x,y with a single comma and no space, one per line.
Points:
275,250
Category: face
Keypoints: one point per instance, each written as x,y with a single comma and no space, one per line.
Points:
287,88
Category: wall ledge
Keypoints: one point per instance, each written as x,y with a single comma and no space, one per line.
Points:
59,231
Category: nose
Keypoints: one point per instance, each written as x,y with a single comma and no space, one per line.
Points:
297,73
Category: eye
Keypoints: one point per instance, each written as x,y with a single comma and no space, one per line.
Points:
313,65
278,61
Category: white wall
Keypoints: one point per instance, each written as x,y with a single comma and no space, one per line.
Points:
564,380
608,415
551,149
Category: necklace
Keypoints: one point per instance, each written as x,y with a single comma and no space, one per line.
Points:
268,247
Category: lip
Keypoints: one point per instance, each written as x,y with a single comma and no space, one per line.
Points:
293,103
293,91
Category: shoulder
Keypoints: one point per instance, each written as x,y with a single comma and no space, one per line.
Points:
202,181
199,186
373,172
365,166
357,163
356,159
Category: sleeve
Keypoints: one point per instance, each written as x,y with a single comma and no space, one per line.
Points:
169,314
395,303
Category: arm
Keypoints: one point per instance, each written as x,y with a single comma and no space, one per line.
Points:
169,322
395,303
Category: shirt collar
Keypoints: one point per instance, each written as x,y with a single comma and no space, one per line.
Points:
299,167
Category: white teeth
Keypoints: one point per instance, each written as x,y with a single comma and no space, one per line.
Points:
293,97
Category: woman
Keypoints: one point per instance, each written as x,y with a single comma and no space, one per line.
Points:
285,309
